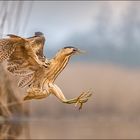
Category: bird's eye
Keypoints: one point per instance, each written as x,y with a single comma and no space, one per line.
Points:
74,50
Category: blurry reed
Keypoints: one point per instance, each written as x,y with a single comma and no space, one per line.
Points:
11,108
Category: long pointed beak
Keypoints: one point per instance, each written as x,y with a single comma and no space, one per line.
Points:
80,51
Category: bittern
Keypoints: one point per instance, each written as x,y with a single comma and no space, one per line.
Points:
25,58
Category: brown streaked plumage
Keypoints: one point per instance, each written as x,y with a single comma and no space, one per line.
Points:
37,72
38,44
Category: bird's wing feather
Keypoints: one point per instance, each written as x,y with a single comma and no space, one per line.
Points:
22,56
38,41
7,46
14,36
26,80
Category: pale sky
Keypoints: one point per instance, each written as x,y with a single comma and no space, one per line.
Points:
59,19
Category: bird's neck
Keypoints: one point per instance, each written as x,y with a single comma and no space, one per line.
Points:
58,63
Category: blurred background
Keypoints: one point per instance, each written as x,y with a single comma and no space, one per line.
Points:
109,32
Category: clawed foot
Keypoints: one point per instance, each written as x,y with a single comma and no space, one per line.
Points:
83,98
35,94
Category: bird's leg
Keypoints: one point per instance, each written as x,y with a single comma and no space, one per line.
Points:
83,98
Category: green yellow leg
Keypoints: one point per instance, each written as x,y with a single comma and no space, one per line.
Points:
83,98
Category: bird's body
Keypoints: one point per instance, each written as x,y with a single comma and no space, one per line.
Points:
25,57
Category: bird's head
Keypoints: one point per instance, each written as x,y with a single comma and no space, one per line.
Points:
69,50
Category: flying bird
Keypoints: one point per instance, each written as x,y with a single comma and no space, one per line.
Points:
25,58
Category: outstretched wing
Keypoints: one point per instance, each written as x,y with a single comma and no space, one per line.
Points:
38,41
21,57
